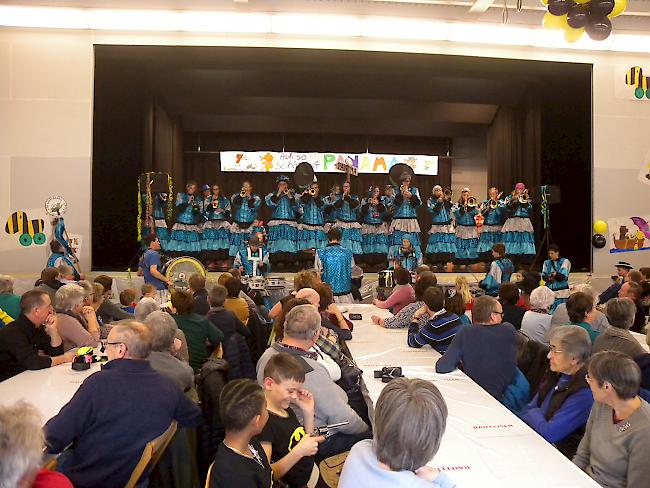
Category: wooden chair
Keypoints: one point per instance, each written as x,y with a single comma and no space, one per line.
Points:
151,454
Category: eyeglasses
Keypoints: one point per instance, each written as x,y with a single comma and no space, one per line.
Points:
555,351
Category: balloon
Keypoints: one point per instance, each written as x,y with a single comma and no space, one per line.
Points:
572,35
582,1
599,241
577,16
601,7
598,28
544,2
560,7
600,227
619,7
551,21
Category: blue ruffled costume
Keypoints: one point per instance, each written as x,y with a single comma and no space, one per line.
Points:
491,230
185,233
500,271
441,246
244,213
466,235
312,235
518,234
283,229
409,261
405,221
560,285
347,220
216,230
336,263
374,238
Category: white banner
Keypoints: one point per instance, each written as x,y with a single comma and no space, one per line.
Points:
268,161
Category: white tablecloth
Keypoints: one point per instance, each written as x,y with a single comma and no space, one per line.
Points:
485,444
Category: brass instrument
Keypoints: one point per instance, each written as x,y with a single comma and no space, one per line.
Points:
312,191
215,203
524,198
494,204
287,193
242,193
471,202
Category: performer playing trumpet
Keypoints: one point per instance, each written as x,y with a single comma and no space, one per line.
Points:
185,237
347,220
493,211
283,229
245,206
441,246
216,230
405,221
312,235
329,210
466,232
374,241
518,233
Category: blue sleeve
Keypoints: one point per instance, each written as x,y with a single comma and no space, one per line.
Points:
415,337
573,414
270,203
453,355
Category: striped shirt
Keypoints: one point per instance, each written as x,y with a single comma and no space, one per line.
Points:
438,331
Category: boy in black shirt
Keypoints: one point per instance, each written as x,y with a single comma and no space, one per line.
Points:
240,461
288,445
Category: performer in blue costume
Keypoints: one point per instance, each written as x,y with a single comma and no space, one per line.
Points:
335,263
500,271
406,256
62,253
493,213
388,199
405,221
283,228
329,210
216,230
555,273
374,238
518,233
466,232
160,218
441,246
185,236
244,208
347,219
249,255
312,235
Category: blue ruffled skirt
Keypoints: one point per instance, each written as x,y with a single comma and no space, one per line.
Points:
374,239
441,244
490,235
184,238
311,237
283,237
350,236
466,244
216,236
519,237
238,238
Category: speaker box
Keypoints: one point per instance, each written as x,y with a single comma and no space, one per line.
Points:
554,194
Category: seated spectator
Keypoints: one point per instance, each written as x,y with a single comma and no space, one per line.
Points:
235,349
288,443
66,275
49,282
148,305
164,344
610,458
632,290
423,268
463,289
309,278
197,289
144,307
622,270
561,316
645,272
509,296
559,410
59,256
21,450
410,420
454,304
148,291
486,351
77,323
127,300
301,330
331,315
223,277
109,311
402,295
32,341
234,303
403,318
536,322
441,326
9,302
643,360
529,281
109,442
580,308
88,291
620,315
278,324
241,461
633,276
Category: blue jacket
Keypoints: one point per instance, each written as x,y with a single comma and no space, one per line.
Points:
336,264
440,211
284,208
372,214
346,208
406,209
244,211
187,212
210,213
493,217
312,210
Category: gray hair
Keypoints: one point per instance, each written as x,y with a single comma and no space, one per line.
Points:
69,296
21,443
620,312
302,322
144,307
584,288
573,340
483,308
163,330
617,369
217,296
410,419
135,336
6,284
542,298
310,295
64,269
87,286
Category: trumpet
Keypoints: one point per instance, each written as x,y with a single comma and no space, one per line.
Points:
524,199
471,202
215,203
312,192
493,205
287,193
242,193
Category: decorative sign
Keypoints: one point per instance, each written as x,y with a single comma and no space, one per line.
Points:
633,83
286,162
629,234
26,229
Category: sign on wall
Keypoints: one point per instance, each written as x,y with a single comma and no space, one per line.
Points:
633,83
627,234
269,161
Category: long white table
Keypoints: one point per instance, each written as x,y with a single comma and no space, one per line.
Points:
485,444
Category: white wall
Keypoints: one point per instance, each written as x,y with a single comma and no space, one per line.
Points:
46,124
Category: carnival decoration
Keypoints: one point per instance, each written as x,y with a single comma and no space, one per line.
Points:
580,16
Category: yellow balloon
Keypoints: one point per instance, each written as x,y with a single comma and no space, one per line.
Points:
619,7
582,1
551,21
572,35
544,2
600,227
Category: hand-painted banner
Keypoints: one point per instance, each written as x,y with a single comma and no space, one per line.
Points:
629,233
268,161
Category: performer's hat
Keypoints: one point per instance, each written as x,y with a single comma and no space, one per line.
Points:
205,187
466,189
623,264
282,179
520,186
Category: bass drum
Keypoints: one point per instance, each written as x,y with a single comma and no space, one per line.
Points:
179,270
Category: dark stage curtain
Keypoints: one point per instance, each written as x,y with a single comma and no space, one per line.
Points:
163,141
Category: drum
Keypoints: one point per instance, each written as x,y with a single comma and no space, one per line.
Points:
386,279
255,283
276,282
179,270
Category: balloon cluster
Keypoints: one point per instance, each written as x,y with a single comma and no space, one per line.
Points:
599,240
575,17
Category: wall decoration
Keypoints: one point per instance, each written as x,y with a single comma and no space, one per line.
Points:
269,161
633,83
75,241
580,16
644,172
29,231
629,233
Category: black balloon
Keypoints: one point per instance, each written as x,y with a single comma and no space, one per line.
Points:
598,28
601,7
599,241
577,16
559,7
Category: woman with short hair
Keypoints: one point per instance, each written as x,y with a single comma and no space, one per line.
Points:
620,314
616,443
9,302
403,318
508,297
76,322
537,321
402,295
580,307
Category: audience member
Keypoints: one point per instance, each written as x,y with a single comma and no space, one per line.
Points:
622,269
632,290
486,351
561,316
643,360
463,289
5,318
309,278
241,461
580,307
441,325
49,282
536,322
150,263
109,441
610,458
633,276
9,302
559,410
620,315
645,272
197,329
402,295
403,318
21,450
410,420
109,311
88,291
144,307
200,294
234,303
148,291
35,330
148,305
66,274
454,304
59,256
529,281
508,297
223,277
127,300
331,316
77,323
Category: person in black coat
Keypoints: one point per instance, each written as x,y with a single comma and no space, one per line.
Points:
200,294
508,297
